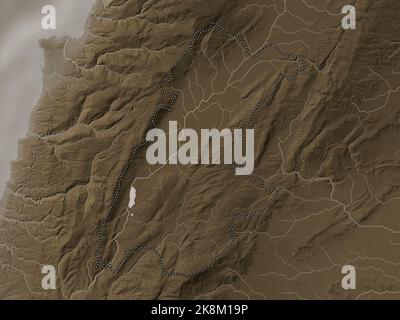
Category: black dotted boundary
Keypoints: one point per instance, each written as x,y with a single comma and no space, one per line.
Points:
100,263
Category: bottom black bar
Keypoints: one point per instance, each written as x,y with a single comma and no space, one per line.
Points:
202,309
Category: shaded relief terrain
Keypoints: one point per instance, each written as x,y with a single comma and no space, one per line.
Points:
324,193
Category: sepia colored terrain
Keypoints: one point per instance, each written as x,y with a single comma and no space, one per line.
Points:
325,191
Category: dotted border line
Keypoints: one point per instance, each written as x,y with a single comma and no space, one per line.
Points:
100,263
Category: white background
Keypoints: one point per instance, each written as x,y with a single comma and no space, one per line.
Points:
21,62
